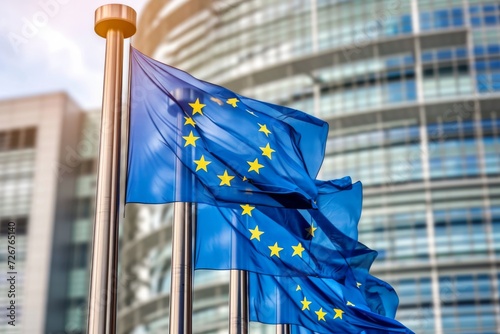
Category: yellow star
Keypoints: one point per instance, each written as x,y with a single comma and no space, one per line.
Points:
310,230
190,140
197,106
255,233
298,288
202,164
189,121
297,250
305,304
244,178
320,314
358,284
263,128
225,179
267,151
255,166
350,304
247,209
233,101
338,313
275,249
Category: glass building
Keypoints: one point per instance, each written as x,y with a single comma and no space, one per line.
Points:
411,90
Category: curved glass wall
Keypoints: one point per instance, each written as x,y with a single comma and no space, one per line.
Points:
411,91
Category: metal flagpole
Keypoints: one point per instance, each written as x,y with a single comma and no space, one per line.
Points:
282,329
238,302
181,282
182,274
113,22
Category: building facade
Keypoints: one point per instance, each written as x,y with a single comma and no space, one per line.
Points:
39,164
411,91
80,164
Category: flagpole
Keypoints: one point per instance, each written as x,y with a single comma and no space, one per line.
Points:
280,328
113,22
181,295
238,302
181,275
283,329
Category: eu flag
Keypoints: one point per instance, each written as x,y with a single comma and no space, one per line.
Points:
194,141
320,305
379,296
280,241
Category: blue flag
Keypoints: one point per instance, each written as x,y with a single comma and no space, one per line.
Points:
193,141
279,241
366,291
320,305
379,295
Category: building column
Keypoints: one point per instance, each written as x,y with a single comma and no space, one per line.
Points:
314,26
477,118
424,142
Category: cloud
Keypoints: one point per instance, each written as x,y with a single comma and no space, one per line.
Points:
62,54
53,62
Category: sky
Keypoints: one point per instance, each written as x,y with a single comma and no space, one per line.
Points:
50,45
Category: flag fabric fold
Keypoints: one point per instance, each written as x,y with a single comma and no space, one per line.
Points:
193,141
279,241
315,304
379,295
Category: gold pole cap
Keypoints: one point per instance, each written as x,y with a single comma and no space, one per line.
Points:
115,16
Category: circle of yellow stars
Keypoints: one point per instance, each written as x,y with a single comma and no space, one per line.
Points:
202,163
225,179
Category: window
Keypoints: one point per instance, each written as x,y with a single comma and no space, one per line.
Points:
466,303
15,139
21,224
84,208
459,232
3,141
29,137
87,167
18,139
80,256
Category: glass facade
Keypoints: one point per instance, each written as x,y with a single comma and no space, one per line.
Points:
411,91
80,245
17,157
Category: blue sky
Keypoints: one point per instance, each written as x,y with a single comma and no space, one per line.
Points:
50,45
